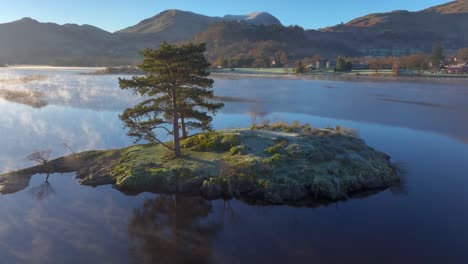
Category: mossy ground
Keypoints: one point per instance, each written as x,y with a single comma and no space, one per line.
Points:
280,164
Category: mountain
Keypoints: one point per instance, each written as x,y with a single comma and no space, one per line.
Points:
252,39
401,32
177,25
28,41
258,18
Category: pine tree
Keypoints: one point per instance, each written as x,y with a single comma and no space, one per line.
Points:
437,55
176,91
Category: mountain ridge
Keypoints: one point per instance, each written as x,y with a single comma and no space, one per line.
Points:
454,7
404,32
459,7
178,18
28,41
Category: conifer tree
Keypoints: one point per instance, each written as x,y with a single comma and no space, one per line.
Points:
437,55
176,89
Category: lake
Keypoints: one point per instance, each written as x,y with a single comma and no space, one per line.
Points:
422,124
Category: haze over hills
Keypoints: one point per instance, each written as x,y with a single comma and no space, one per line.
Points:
255,37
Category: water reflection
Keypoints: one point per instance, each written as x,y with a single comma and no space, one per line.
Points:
25,129
86,225
44,190
173,229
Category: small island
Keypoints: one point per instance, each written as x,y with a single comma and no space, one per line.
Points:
279,164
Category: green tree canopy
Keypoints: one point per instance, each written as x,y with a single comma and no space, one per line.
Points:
176,89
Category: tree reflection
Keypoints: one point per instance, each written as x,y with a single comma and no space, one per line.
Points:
173,229
44,190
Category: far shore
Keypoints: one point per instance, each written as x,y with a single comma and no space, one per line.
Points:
330,75
51,67
280,73
274,73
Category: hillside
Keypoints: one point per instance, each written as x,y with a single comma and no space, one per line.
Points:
174,24
249,45
402,32
455,7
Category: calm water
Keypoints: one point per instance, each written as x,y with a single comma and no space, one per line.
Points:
422,125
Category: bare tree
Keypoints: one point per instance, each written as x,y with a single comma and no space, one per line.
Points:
253,116
462,55
68,146
41,157
376,64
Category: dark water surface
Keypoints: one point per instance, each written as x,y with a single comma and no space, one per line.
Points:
422,125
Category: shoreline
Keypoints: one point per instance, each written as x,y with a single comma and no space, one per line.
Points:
268,74
336,76
48,67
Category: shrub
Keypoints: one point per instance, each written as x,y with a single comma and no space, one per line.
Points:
237,150
211,142
272,159
281,143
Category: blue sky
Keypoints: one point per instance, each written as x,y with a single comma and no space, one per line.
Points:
112,15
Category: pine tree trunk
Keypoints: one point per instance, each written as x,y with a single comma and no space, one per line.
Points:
184,129
175,114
